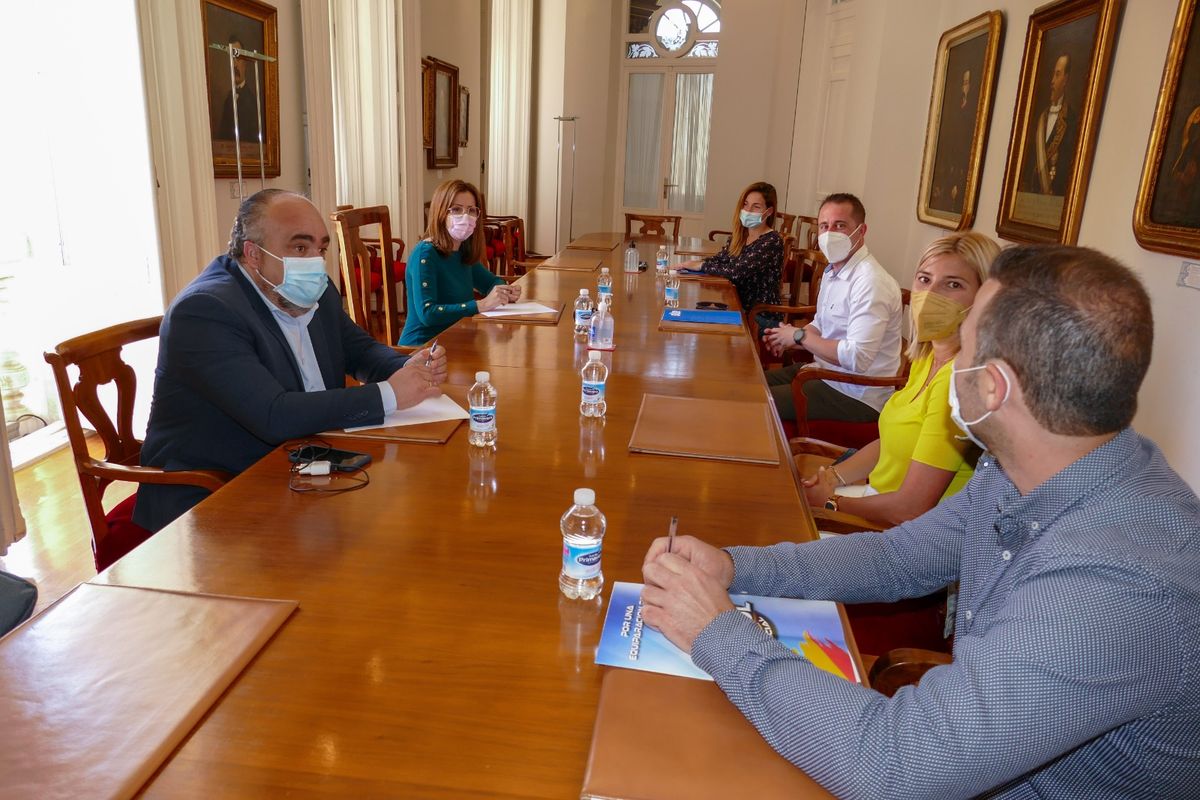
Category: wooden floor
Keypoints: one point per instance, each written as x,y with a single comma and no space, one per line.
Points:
56,552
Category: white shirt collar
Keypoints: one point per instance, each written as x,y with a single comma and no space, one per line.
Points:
844,272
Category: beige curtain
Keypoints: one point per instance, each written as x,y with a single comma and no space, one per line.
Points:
509,107
12,524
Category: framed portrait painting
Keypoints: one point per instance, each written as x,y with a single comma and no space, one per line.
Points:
1166,216
439,103
960,113
243,98
1068,54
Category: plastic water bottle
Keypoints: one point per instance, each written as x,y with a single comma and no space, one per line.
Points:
604,286
482,400
583,535
661,260
583,312
593,338
603,326
631,258
595,375
671,293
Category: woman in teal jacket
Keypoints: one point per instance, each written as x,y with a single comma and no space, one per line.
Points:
446,268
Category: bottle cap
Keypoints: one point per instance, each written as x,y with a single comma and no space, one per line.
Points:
585,497
674,272
583,292
604,270
482,377
593,355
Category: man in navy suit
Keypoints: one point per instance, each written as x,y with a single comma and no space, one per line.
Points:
242,368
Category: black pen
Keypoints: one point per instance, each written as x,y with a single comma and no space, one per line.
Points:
671,534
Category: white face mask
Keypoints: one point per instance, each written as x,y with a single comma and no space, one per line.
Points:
955,410
835,245
304,279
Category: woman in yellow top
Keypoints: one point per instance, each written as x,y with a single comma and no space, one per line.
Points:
920,456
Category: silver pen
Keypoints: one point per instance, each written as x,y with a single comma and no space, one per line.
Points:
429,358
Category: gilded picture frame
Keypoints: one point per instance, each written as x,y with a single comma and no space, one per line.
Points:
960,114
464,115
1064,72
252,26
1166,216
440,113
426,103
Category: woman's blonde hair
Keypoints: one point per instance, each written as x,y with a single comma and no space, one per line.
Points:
975,249
738,240
439,209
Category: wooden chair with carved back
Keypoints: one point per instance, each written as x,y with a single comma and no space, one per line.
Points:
374,248
653,225
383,321
96,358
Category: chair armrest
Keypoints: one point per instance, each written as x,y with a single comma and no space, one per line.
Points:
848,377
903,666
204,478
712,235
798,311
406,349
841,522
803,445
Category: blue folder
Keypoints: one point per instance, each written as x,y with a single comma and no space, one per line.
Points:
707,317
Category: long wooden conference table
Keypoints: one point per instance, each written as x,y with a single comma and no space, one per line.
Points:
432,654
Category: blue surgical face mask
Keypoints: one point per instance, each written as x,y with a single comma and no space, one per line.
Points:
304,279
956,411
750,219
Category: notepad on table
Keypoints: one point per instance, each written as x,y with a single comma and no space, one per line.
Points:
733,430
432,421
702,316
101,688
519,309
658,737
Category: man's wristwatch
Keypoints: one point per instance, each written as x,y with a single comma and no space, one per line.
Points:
832,503
798,336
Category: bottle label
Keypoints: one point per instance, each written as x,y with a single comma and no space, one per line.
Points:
672,293
583,316
581,563
483,419
661,263
593,391
605,289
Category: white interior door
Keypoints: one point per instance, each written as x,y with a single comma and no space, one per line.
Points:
666,114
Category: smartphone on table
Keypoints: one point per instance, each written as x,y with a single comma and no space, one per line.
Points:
339,460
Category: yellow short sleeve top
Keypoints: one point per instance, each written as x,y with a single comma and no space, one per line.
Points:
915,425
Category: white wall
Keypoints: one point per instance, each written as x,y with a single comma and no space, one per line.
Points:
590,93
549,68
884,165
754,101
451,31
293,159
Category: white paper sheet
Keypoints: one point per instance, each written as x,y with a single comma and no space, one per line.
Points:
435,409
513,309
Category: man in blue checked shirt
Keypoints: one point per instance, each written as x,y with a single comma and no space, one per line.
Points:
1076,667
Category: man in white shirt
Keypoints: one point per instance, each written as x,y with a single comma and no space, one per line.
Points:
856,327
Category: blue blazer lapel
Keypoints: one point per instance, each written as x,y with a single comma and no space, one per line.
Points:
263,315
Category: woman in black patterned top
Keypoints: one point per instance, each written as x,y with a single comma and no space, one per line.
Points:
753,258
